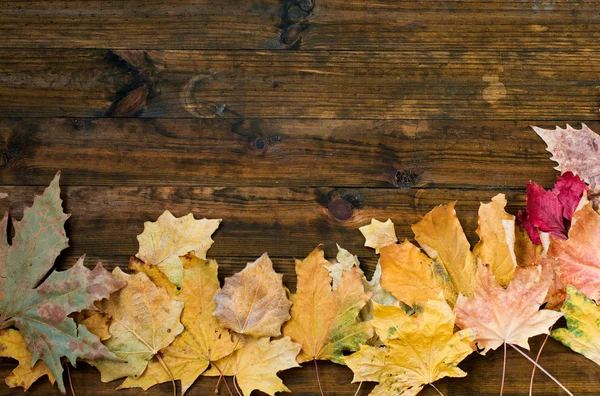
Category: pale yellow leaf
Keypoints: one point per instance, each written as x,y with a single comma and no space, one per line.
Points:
163,241
378,234
256,364
144,320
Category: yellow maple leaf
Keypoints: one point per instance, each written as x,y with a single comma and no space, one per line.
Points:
325,321
441,236
418,350
379,234
144,320
256,364
12,345
203,340
412,277
163,241
496,232
510,315
254,301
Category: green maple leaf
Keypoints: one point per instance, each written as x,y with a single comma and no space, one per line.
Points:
39,311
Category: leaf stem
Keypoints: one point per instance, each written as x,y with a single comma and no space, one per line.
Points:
543,370
164,365
224,380
318,378
503,371
70,380
438,391
536,359
236,387
225,368
358,389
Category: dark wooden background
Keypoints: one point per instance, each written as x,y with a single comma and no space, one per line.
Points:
263,112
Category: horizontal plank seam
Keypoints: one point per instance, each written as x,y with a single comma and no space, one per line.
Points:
483,119
391,188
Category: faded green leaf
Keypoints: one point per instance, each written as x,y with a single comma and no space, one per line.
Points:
583,325
40,312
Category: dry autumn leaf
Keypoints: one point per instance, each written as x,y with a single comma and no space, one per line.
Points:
529,254
510,315
325,321
575,150
163,241
496,232
583,325
412,277
378,235
144,320
40,311
441,236
96,322
578,258
551,211
379,295
12,345
256,364
254,301
345,261
203,340
418,350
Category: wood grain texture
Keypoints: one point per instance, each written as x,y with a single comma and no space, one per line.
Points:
388,25
286,222
525,85
274,153
296,121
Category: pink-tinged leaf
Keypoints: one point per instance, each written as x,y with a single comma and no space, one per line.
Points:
510,315
569,189
545,211
578,257
575,150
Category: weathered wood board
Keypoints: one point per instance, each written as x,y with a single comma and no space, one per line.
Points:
263,112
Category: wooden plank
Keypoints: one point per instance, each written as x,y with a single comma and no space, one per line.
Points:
323,24
274,153
522,85
484,373
286,222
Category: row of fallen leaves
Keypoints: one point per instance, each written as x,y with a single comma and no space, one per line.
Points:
169,319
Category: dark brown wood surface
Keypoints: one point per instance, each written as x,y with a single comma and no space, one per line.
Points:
263,112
